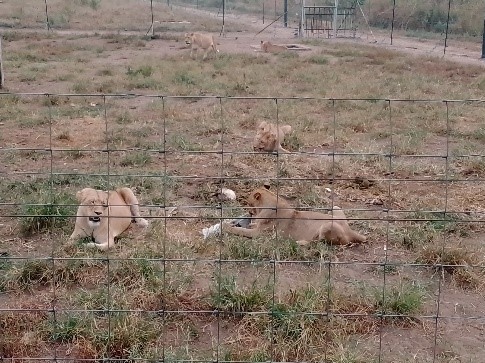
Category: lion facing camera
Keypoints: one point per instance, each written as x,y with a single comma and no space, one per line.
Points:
105,215
269,137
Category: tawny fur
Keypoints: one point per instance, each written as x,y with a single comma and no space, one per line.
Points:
198,41
105,215
269,47
269,137
271,212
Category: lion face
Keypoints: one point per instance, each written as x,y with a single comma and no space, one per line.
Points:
188,38
259,198
93,204
264,140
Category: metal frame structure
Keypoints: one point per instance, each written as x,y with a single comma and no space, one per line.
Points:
328,21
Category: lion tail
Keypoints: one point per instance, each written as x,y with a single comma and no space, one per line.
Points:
132,201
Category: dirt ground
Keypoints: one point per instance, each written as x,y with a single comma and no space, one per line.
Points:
451,326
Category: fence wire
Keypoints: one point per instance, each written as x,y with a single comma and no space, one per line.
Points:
168,294
159,17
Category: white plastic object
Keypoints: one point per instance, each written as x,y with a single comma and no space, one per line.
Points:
228,193
212,230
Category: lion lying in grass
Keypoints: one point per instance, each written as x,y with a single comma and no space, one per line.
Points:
105,215
269,137
201,41
271,212
269,47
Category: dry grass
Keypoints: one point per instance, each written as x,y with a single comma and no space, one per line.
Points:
169,294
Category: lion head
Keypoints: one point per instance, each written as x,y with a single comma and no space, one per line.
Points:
93,204
188,38
265,139
268,136
263,197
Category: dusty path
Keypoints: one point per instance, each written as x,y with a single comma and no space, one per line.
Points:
459,51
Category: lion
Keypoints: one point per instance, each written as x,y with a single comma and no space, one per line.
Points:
270,136
269,47
269,211
201,41
105,215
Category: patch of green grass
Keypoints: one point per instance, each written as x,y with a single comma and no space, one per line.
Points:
67,329
416,233
226,295
267,248
184,78
34,120
93,4
48,212
59,20
128,335
80,87
32,272
145,71
182,143
317,59
289,319
95,300
292,142
143,131
139,158
105,72
404,299
28,77
124,118
478,134
409,142
138,273
5,267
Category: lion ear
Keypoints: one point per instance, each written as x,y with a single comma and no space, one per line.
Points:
266,186
263,125
257,195
81,194
286,129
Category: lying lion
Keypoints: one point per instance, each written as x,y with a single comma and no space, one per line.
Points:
271,212
269,137
269,47
105,215
201,41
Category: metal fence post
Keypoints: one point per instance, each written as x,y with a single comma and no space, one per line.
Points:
483,40
335,15
2,79
285,16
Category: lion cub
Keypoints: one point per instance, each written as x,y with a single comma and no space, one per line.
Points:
273,212
269,137
105,215
269,47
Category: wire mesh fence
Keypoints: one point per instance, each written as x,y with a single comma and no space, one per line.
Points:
376,20
407,173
